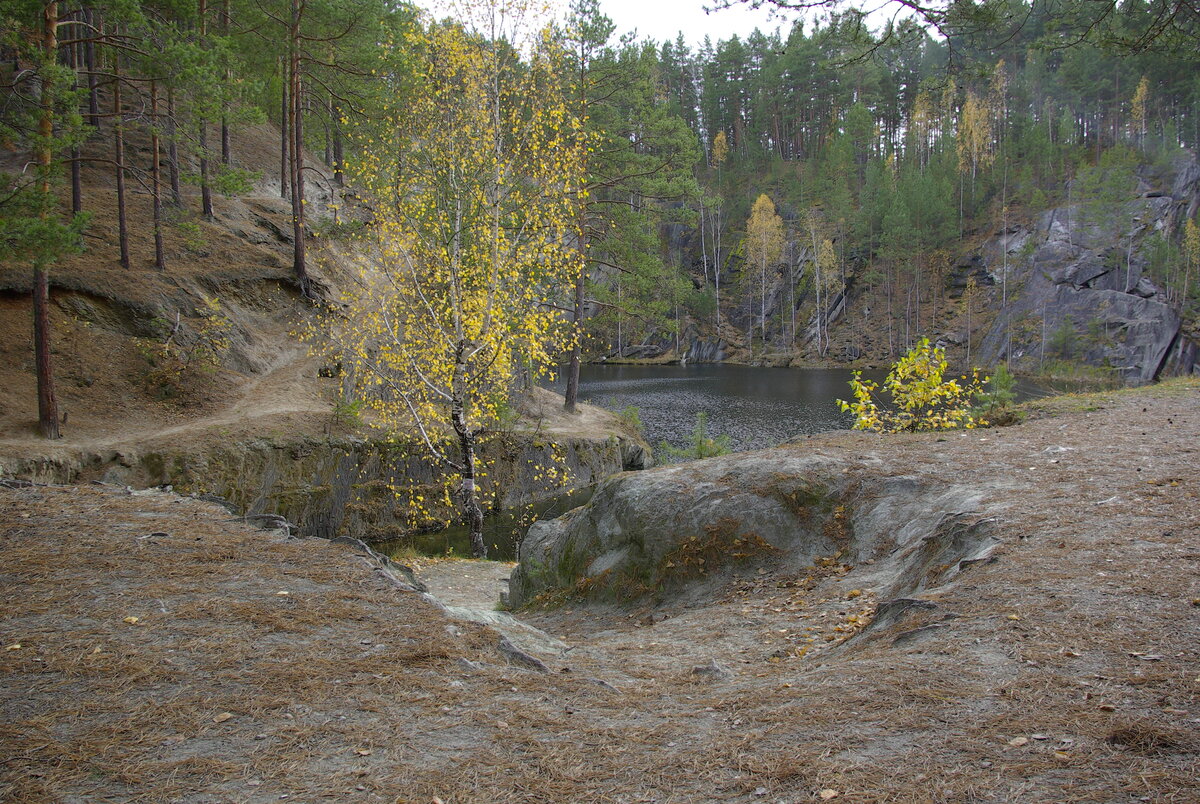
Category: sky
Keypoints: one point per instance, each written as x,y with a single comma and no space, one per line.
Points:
661,20
664,19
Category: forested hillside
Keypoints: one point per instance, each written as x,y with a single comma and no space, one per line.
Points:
893,158
826,192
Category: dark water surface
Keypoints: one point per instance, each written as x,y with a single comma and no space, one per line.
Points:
756,407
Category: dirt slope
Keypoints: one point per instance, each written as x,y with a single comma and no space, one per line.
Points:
106,321
1067,670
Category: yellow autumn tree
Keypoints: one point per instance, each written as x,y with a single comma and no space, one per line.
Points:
1191,258
472,243
764,246
922,126
720,149
826,268
1137,111
916,396
974,136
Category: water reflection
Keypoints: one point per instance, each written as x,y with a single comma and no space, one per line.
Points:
756,407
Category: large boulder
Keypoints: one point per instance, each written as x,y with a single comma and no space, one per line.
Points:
677,530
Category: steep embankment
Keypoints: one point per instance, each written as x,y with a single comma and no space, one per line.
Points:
109,325
1064,667
194,376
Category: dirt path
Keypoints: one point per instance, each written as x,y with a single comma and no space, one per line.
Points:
1067,670
466,583
288,387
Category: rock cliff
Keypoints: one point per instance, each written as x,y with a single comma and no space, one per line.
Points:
1076,289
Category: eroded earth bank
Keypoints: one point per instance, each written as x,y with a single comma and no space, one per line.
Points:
999,615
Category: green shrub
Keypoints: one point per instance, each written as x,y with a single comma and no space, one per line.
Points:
700,445
631,418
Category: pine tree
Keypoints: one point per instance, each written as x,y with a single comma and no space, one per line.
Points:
42,116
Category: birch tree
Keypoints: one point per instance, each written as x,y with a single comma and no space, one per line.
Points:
764,247
473,240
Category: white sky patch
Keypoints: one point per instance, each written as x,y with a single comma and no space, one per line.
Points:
662,20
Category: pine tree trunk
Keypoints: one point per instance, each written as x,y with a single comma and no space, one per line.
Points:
173,150
89,57
329,133
206,206
119,154
226,151
76,183
299,258
160,260
285,128
74,60
47,403
338,150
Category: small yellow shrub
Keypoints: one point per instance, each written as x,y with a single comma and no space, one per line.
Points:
922,399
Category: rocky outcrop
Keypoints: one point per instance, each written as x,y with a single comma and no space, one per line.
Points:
675,530
332,487
1090,283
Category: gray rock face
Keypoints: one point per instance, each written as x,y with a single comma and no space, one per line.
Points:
338,486
703,351
1071,276
675,530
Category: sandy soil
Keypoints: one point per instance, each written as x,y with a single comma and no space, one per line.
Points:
1067,670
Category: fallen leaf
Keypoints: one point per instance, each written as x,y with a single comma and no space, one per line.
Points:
1062,755
130,620
1017,742
95,650
1040,736
853,593
1107,708
282,593
363,752
1013,617
221,718
14,646
828,794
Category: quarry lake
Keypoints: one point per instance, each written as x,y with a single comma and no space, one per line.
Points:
756,407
